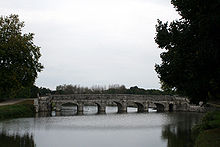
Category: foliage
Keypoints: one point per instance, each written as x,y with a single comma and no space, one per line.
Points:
209,138
43,91
16,110
19,57
207,131
32,92
190,62
116,89
210,121
112,89
70,89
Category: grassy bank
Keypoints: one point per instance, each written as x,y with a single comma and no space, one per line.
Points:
23,109
207,133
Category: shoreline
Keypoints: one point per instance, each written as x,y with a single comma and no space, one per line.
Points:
207,132
24,108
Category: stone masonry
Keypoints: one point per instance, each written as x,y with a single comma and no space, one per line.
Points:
142,102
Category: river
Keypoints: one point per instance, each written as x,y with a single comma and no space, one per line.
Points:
109,130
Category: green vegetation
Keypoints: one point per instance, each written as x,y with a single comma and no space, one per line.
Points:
32,92
19,58
113,89
207,133
23,109
191,60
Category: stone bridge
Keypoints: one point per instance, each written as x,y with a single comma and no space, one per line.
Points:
122,101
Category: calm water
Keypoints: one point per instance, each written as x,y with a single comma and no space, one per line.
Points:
110,130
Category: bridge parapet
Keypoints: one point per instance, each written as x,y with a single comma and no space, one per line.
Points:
119,96
142,102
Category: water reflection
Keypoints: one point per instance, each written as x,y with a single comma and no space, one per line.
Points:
123,130
16,140
87,110
178,133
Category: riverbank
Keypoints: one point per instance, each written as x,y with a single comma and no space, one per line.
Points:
21,109
207,133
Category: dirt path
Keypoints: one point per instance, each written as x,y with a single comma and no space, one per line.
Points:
14,101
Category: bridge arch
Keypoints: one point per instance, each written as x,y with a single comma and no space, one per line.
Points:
140,107
170,107
69,104
161,103
160,107
66,108
99,108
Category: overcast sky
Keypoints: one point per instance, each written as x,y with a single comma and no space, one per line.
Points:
94,42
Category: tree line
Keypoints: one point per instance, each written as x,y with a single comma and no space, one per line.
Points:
112,89
34,91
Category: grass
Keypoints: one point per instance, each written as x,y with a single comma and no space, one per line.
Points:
207,133
22,109
209,138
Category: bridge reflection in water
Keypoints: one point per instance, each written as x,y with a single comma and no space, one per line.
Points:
89,110
71,109
16,140
133,130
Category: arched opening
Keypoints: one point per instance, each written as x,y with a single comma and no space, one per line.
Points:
132,107
160,107
111,107
170,107
68,109
91,108
135,107
185,106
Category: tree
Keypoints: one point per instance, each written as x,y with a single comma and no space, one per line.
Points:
19,57
190,62
41,91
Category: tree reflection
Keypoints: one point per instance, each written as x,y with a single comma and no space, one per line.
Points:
16,140
177,136
178,132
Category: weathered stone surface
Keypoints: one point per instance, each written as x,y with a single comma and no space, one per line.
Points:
194,108
142,102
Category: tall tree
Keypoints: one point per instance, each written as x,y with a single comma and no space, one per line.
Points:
19,57
190,62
